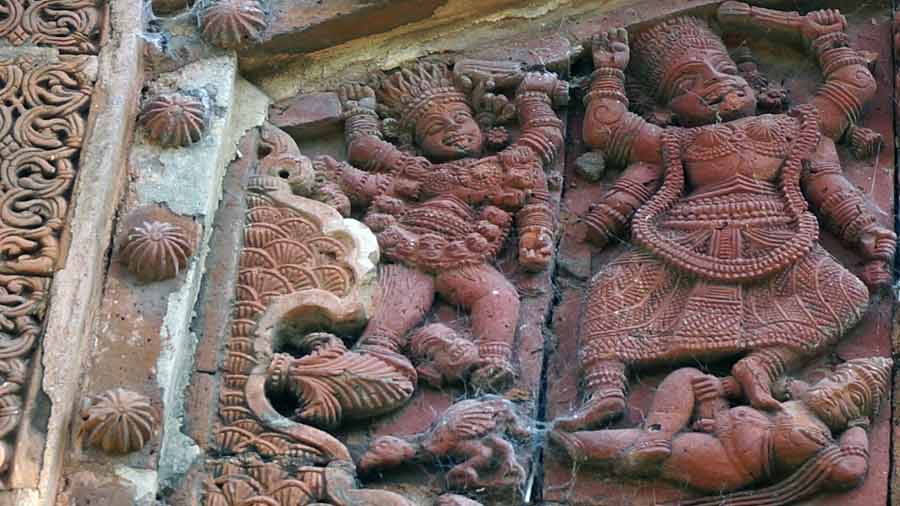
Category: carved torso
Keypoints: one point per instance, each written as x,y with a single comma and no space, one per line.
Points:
763,446
732,209
462,213
753,147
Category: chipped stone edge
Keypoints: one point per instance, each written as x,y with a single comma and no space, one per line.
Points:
76,288
248,108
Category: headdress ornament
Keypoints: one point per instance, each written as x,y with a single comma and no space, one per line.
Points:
408,93
656,48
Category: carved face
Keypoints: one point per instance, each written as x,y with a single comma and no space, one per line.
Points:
449,132
837,400
705,88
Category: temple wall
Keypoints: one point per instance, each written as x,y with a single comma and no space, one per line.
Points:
152,200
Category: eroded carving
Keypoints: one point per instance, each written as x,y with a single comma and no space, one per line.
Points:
174,119
43,107
692,436
72,26
251,481
442,356
301,267
475,434
231,23
332,383
23,302
725,257
119,421
444,216
155,249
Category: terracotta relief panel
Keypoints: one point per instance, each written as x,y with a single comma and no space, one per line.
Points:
43,117
698,260
44,105
72,26
44,108
671,288
23,302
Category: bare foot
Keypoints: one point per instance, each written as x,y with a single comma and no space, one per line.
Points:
647,453
602,407
568,443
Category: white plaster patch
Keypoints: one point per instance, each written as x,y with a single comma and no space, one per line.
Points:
143,481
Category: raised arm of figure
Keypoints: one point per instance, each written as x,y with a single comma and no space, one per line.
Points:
366,147
541,134
609,126
848,82
843,209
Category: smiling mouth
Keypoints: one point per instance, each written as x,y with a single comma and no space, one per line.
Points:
716,98
458,141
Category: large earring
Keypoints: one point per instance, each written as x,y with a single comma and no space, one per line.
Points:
771,98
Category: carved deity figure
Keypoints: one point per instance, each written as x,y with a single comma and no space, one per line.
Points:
443,217
816,441
724,260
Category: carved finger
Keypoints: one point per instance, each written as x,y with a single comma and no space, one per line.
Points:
621,35
342,93
601,41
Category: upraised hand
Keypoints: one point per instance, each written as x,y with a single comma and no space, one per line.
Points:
610,49
822,22
356,96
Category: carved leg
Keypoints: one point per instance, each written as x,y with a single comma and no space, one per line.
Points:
604,395
404,296
494,307
441,355
595,447
634,292
697,460
465,475
758,371
670,413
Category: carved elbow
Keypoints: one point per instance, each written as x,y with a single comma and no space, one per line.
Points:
360,150
554,137
850,472
860,80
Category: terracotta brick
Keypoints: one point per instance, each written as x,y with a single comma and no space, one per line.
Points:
307,115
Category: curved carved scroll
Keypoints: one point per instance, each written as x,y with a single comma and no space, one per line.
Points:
43,107
72,26
302,267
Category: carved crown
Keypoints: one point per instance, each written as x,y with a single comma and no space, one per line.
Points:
408,93
656,48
